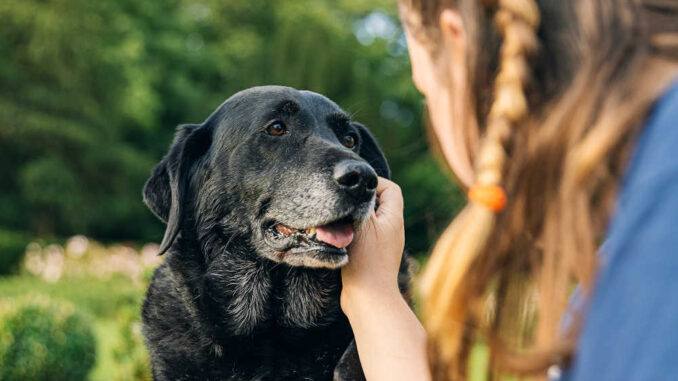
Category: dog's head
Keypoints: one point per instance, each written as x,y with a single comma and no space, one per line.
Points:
287,168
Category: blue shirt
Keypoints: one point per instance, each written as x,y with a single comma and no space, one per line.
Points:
630,329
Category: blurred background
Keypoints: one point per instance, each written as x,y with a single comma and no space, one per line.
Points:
90,95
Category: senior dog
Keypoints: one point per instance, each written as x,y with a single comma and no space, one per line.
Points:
260,201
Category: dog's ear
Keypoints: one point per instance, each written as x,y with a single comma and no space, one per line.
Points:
370,151
165,190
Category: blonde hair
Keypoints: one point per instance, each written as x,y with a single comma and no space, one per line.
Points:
558,147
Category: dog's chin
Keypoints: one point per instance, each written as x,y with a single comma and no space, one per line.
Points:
312,257
300,243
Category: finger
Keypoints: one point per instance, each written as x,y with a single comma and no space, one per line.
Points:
390,198
384,184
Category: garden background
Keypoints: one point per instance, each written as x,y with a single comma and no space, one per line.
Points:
90,95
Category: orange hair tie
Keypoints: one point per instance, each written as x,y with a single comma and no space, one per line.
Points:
492,197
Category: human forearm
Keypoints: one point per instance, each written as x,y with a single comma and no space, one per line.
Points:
391,341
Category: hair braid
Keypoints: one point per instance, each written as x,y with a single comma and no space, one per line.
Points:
448,283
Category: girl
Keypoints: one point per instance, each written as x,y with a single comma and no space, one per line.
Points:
561,118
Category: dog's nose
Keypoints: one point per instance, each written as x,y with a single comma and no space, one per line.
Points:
356,178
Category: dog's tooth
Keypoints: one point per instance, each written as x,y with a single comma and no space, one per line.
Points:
285,230
311,231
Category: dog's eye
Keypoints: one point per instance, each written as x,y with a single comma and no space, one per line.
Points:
276,129
349,140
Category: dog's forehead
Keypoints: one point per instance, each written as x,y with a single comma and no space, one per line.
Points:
264,100
320,104
254,106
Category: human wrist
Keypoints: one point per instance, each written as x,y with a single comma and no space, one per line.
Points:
355,300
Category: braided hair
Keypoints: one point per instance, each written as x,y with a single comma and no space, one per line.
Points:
516,21
557,125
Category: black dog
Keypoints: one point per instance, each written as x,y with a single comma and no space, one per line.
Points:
260,202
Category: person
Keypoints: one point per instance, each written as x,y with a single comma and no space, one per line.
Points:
561,118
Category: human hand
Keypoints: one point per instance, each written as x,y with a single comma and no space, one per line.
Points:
376,251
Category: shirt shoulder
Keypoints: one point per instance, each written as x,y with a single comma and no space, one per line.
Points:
656,151
630,330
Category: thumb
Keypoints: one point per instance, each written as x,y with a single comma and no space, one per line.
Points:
390,199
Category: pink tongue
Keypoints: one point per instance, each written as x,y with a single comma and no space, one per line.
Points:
336,235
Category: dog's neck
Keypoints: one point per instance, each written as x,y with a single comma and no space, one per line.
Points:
245,293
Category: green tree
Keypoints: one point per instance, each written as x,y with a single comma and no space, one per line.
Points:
90,93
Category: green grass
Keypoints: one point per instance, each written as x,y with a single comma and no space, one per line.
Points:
479,360
101,298
106,332
107,300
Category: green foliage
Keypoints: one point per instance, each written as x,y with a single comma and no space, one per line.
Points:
12,249
129,352
92,91
115,304
41,339
431,201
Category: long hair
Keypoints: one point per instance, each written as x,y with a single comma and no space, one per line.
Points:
560,90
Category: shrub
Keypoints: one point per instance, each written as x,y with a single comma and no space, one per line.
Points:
130,353
12,249
42,339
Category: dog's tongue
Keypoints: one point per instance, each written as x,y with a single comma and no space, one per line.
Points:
335,235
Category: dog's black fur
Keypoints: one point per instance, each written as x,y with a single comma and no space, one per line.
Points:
234,300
